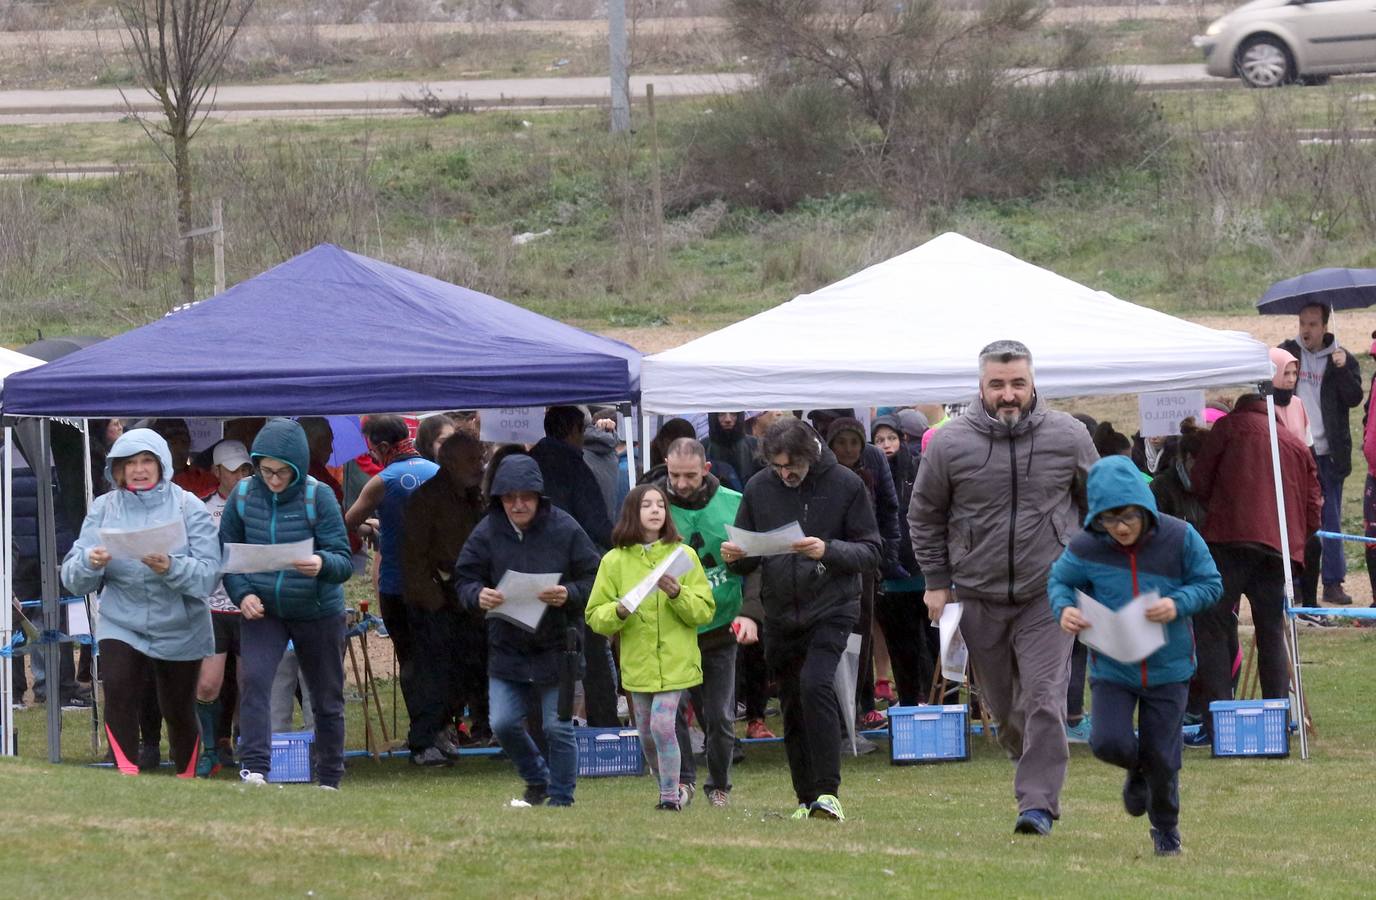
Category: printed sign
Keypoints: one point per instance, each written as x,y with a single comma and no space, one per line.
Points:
1162,412
205,433
512,424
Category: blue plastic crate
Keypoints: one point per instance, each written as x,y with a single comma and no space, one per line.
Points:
609,751
291,757
928,734
1251,727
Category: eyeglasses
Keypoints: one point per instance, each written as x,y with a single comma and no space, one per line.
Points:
787,468
273,474
1129,516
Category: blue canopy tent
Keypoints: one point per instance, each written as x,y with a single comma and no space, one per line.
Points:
332,332
326,333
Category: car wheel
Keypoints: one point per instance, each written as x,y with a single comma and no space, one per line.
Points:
1264,62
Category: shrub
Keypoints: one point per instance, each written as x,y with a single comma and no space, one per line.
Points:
770,148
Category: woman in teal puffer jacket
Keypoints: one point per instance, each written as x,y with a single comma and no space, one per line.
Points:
153,611
281,504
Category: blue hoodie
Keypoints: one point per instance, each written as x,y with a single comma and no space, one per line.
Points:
162,616
1169,557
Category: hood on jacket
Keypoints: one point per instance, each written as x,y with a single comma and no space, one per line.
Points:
1116,481
517,472
889,421
1279,360
720,435
599,442
284,439
913,423
134,442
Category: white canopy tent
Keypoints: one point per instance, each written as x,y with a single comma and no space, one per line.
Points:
908,330
10,362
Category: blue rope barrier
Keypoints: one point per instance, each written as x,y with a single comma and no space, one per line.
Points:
34,604
1361,612
1339,536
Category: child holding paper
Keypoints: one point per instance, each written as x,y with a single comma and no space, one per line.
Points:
1127,549
657,620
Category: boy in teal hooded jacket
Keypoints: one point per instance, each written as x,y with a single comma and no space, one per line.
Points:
1128,548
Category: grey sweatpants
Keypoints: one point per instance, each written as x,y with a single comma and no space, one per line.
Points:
1021,661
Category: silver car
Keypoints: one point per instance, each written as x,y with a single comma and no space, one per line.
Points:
1268,43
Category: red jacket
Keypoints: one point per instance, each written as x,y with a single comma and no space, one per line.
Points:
1232,476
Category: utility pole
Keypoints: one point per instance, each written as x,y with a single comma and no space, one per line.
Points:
621,93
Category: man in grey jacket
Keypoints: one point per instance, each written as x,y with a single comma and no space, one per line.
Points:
999,495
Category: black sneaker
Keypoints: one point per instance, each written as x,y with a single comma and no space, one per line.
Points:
1135,793
666,806
77,702
535,795
1033,821
1167,843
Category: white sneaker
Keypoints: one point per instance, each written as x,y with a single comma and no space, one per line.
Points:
328,787
254,778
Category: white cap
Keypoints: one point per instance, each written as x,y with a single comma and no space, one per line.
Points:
231,455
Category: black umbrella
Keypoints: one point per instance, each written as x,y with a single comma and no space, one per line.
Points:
49,349
1334,288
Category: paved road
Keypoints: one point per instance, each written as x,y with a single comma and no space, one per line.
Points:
380,97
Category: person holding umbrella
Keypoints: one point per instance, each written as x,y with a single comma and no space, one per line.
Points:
1330,384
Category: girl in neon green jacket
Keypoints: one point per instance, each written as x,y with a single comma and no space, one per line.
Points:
659,637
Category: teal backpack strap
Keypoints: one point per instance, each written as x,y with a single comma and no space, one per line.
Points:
240,493
311,486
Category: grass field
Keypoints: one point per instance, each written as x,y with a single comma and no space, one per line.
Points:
1251,827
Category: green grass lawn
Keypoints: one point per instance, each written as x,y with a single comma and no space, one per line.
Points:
1251,827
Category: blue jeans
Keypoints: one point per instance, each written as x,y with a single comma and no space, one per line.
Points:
1334,566
511,702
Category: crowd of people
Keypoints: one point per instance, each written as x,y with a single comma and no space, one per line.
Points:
1004,505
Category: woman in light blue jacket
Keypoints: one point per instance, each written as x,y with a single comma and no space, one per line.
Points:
153,611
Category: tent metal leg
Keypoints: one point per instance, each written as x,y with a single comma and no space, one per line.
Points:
7,747
52,593
1298,709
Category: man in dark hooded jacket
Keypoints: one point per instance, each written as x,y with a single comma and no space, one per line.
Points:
524,532
810,597
727,442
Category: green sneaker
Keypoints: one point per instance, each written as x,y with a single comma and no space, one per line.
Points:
828,806
801,812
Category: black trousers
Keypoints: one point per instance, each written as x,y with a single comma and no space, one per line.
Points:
599,681
752,676
903,619
805,663
1259,575
1154,751
123,672
435,675
396,615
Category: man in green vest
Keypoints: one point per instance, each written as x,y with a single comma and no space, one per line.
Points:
701,509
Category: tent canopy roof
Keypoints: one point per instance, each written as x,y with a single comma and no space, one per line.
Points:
331,331
909,330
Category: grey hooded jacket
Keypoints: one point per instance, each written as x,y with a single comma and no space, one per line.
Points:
993,506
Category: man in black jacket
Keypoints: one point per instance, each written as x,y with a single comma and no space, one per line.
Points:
810,597
571,486
524,532
1330,384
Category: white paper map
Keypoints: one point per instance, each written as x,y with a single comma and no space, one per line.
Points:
675,564
766,543
136,543
522,605
954,654
245,558
1123,634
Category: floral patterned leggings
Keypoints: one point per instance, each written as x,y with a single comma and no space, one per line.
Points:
654,718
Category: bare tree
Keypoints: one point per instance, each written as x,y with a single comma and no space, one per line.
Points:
179,48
